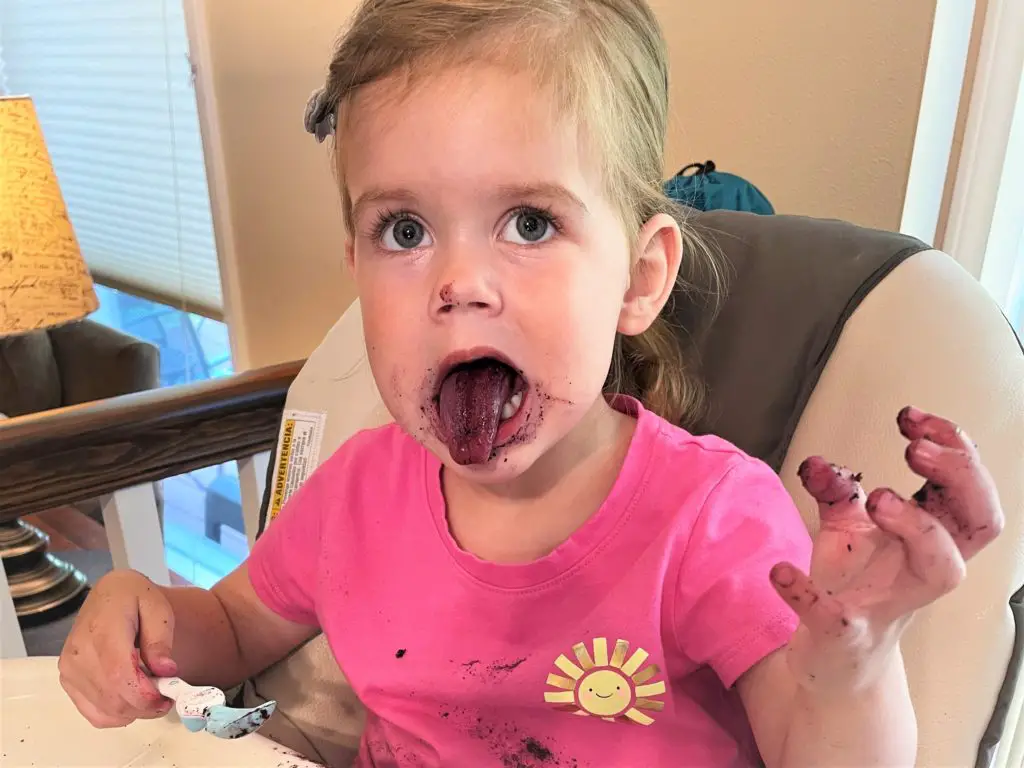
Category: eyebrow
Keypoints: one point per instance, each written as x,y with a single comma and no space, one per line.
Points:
542,189
377,195
506,192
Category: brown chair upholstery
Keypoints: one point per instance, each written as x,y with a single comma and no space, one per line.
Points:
73,364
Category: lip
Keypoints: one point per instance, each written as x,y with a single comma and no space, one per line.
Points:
510,429
468,355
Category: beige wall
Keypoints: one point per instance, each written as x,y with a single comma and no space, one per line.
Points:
284,277
815,101
970,70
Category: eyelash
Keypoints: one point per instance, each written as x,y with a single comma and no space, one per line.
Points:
538,210
386,217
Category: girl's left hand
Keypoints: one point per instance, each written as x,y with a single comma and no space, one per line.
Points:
879,558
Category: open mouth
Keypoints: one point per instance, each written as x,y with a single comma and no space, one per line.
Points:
478,403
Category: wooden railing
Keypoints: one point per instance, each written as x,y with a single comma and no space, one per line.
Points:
92,450
115,449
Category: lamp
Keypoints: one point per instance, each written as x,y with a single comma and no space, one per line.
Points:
43,283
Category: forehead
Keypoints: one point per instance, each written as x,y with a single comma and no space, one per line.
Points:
459,128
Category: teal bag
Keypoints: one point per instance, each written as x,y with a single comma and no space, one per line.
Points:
708,189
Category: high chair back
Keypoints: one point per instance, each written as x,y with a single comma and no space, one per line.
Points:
828,330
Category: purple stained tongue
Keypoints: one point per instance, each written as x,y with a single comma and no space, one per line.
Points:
470,404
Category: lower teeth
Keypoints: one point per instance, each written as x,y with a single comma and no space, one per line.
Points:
510,407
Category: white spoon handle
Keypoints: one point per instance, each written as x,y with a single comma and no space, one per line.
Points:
190,700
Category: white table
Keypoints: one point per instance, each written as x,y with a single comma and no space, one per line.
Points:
40,727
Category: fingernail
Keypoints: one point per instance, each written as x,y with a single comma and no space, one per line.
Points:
928,451
164,666
880,501
912,414
804,468
784,576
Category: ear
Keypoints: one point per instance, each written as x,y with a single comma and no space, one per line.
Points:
659,252
350,255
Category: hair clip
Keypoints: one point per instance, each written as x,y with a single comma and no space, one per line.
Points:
320,118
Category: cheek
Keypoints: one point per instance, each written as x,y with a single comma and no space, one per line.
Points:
586,282
574,313
590,340
593,297
388,298
389,345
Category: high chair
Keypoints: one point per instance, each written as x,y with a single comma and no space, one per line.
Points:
828,330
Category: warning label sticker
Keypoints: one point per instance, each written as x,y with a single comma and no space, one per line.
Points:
298,454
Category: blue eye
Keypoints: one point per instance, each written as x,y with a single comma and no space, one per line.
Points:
404,234
529,226
399,231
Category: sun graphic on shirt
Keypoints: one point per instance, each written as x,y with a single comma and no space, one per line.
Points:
607,688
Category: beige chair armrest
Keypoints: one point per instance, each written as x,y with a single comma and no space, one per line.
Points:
929,335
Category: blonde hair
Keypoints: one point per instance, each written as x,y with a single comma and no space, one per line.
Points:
606,63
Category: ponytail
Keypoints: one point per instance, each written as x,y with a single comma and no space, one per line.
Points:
659,367
652,368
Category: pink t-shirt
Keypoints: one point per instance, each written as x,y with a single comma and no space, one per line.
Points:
617,650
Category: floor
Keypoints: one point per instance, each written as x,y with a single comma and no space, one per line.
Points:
71,531
190,554
193,559
48,639
77,538
80,540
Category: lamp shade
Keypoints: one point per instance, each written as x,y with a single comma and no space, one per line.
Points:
43,278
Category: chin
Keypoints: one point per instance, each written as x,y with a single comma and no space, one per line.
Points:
515,445
485,416
479,404
505,465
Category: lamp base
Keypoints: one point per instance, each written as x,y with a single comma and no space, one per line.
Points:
44,587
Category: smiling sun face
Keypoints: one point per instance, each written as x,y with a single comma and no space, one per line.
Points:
606,688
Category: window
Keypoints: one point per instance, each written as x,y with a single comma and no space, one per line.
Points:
112,85
985,230
1002,271
192,347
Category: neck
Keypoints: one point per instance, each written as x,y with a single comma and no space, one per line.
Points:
528,518
598,442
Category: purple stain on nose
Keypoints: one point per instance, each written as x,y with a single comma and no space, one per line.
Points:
447,294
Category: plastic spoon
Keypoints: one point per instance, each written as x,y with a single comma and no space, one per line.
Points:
204,708
192,703
232,723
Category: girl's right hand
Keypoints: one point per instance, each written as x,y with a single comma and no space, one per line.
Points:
126,621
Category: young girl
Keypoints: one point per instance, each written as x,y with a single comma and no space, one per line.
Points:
526,570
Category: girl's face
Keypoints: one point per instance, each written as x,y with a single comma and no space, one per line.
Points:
481,232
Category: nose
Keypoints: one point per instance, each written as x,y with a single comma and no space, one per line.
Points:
465,284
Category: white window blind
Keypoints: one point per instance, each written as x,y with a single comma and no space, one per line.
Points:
112,84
